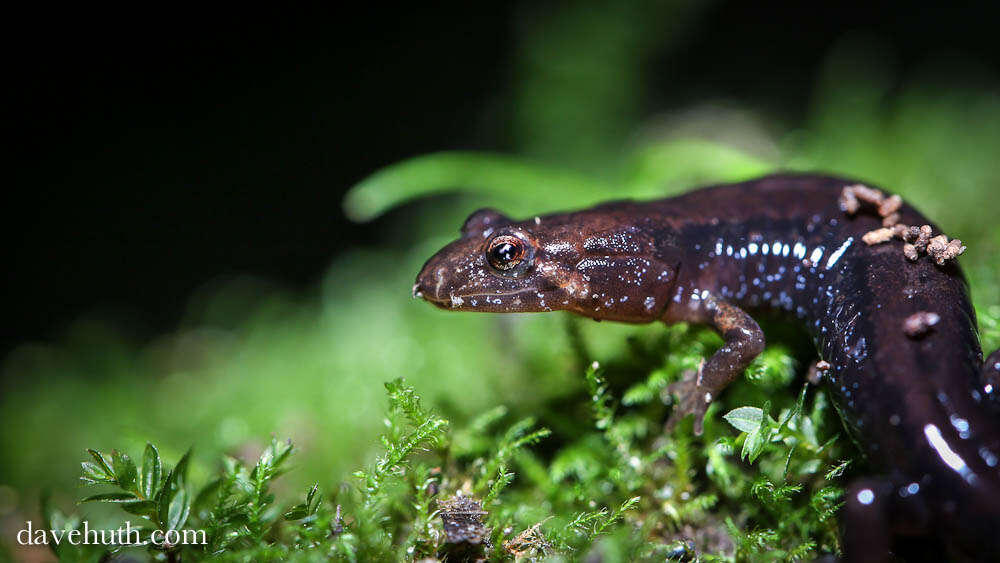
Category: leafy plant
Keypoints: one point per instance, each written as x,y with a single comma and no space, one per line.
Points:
620,488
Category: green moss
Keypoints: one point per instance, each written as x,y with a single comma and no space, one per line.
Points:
612,483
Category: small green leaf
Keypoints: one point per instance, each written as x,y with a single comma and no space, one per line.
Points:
826,501
178,510
788,463
151,471
101,461
312,499
601,527
795,411
837,471
111,497
827,444
604,411
758,438
503,479
171,487
282,451
745,419
94,474
142,508
297,512
125,471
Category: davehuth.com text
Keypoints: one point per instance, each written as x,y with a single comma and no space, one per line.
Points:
123,536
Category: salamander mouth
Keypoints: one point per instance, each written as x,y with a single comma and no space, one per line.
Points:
485,301
441,285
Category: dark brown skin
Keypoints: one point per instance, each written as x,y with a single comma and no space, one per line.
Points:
921,402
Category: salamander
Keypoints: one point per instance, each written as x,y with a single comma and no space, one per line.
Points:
894,328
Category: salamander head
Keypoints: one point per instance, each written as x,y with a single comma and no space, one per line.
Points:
497,266
544,264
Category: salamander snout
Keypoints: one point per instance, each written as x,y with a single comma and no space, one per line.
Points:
431,282
455,271
430,285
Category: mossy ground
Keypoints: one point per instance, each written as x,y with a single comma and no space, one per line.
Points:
591,475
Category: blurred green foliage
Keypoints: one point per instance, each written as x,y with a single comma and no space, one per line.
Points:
252,361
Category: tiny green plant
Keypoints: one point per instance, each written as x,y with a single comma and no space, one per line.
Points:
232,512
763,482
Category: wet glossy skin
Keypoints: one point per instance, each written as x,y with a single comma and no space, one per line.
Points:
923,408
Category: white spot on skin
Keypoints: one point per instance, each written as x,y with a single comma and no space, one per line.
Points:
457,301
538,220
989,457
839,252
649,303
948,455
961,425
560,247
866,496
909,490
708,397
799,251
439,275
815,256
577,287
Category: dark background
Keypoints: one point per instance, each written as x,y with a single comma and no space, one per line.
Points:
152,156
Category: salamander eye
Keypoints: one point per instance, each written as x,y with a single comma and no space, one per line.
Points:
505,252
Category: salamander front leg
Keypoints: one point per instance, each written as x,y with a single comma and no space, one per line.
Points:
744,341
